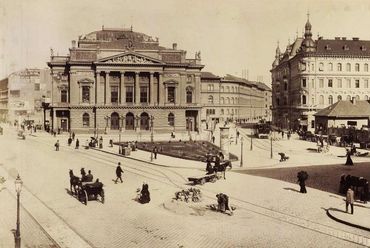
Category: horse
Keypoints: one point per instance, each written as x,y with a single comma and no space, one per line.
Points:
74,181
222,167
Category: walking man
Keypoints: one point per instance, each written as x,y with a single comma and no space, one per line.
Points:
350,198
119,172
155,151
57,146
77,144
73,135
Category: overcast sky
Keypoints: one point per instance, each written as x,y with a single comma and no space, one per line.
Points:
232,35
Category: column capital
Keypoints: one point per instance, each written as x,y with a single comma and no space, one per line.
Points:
107,72
136,73
122,72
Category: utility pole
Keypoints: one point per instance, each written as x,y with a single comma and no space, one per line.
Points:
241,152
251,142
271,147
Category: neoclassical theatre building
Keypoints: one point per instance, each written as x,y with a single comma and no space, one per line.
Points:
313,74
118,78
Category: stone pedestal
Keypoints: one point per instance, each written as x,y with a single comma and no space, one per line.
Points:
224,141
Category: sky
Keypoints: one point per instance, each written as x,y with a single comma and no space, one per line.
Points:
232,35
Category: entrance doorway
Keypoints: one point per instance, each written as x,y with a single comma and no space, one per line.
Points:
114,121
130,121
144,121
191,117
64,125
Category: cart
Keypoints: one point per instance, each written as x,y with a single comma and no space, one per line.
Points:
90,191
203,179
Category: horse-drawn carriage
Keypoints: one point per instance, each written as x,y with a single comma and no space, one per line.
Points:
213,173
85,189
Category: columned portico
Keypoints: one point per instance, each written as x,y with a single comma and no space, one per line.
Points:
137,88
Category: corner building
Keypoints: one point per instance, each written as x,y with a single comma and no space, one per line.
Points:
313,74
118,78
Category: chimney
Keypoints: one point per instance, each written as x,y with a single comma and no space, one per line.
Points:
344,38
354,100
174,46
337,38
356,38
73,44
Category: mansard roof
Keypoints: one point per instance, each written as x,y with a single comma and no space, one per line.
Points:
344,47
357,108
208,75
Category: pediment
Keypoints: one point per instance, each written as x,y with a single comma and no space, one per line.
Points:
130,58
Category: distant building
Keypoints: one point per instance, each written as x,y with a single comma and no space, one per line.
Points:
115,79
4,100
232,98
313,74
26,92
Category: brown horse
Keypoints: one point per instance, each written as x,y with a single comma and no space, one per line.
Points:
74,181
222,167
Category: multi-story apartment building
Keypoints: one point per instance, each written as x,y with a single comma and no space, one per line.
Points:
313,74
26,90
4,100
115,79
233,98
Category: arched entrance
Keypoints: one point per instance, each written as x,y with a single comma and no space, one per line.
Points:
130,121
114,121
144,121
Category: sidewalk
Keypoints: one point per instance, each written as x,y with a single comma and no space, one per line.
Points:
359,218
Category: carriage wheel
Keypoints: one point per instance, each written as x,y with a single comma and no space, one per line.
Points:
86,197
102,196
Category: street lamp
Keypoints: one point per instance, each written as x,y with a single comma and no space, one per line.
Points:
120,130
152,128
18,188
241,152
189,126
106,125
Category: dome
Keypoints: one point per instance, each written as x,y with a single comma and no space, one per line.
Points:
308,25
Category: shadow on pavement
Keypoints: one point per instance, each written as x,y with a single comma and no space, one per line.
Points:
291,189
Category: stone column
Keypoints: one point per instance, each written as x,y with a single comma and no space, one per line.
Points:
161,89
224,141
97,89
107,88
122,89
151,89
137,88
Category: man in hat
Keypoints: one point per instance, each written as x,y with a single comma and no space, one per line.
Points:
119,172
350,199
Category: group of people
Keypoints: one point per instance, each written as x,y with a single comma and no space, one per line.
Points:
216,159
69,141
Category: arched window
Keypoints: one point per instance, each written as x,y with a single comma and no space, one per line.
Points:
304,99
232,100
339,98
348,67
171,119
227,89
114,121
366,67
222,100
348,98
357,97
86,120
189,95
227,100
330,99
129,121
330,66
357,67
144,121
222,89
321,66
210,99
321,99
366,97
339,67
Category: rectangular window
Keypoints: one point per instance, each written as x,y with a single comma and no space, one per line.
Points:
339,81
321,83
63,96
348,83
114,94
357,83
171,94
313,83
143,94
15,93
366,83
37,87
330,83
304,82
312,124
129,94
86,94
352,123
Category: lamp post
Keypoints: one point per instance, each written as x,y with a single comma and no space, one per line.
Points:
151,128
189,126
241,152
18,188
271,148
106,125
120,131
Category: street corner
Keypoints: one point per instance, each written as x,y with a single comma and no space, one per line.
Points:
359,218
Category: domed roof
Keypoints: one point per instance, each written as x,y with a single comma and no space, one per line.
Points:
308,25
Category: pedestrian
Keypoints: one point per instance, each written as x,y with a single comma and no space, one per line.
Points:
213,139
73,135
350,199
288,135
144,194
237,134
57,146
155,151
101,142
365,192
349,161
77,144
119,172
282,134
69,141
302,177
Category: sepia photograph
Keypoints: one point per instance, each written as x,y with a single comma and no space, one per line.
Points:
184,123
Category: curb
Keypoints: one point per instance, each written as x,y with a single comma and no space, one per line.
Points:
346,222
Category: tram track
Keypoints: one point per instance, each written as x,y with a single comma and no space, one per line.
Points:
209,194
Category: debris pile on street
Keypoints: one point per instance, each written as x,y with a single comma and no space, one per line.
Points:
192,194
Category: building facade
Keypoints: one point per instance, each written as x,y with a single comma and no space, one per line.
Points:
232,98
26,91
313,74
4,100
115,79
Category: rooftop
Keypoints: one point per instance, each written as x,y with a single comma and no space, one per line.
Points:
355,108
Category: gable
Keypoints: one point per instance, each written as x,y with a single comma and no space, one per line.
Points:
130,58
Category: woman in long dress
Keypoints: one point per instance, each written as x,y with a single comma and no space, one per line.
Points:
349,160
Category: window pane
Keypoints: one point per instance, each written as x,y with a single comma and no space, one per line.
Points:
189,96
114,94
171,94
85,94
129,94
143,94
63,96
